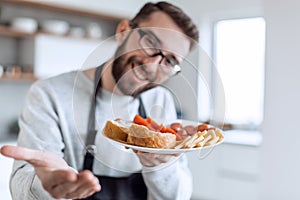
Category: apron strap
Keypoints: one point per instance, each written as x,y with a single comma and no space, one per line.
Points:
91,123
142,111
90,148
132,187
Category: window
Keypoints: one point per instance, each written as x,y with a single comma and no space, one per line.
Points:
239,53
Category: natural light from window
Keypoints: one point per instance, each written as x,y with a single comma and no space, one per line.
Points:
239,56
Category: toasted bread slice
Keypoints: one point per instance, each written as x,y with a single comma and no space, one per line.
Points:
116,130
141,136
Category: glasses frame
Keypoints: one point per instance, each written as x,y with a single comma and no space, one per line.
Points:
175,68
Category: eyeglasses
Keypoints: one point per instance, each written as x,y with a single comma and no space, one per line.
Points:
150,45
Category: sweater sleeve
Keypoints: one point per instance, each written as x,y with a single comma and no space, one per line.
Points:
39,129
25,184
171,180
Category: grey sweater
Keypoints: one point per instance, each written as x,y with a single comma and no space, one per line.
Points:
55,118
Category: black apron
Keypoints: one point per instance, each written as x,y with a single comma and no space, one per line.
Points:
125,188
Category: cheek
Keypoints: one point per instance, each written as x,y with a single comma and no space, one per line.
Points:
161,78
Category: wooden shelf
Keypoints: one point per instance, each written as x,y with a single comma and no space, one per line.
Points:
21,79
10,32
59,8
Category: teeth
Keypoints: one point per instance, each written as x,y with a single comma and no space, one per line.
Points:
138,74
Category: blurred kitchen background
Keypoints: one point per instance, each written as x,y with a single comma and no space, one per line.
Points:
244,77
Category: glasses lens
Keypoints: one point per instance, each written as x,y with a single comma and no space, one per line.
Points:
151,47
170,71
171,66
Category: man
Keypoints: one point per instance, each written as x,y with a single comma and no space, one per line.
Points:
63,114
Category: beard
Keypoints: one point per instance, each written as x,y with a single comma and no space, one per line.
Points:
122,72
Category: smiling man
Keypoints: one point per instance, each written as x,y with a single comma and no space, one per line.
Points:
140,60
62,116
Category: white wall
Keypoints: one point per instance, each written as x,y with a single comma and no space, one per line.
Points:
119,8
55,55
11,102
7,54
281,146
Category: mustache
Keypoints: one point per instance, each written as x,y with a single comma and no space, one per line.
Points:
134,59
142,67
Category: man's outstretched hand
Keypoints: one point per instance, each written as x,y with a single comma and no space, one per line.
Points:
54,173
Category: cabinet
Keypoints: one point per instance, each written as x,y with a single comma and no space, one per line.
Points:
47,54
228,172
239,172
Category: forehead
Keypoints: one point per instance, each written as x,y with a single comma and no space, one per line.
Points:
166,30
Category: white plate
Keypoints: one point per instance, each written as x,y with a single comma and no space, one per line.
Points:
166,151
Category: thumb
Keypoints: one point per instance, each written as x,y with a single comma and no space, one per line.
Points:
37,158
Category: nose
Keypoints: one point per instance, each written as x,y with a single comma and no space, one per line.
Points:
151,65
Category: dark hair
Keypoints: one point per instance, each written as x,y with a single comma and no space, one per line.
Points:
179,17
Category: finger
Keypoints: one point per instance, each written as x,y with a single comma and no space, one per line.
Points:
155,159
80,195
84,185
14,152
55,178
20,153
164,158
87,185
142,152
153,155
37,158
148,159
145,162
135,151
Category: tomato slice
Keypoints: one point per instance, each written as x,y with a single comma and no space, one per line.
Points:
141,121
152,125
169,130
162,129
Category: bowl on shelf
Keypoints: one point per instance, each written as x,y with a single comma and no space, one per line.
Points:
57,27
77,31
25,24
94,30
13,71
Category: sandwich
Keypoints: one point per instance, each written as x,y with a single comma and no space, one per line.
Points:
140,132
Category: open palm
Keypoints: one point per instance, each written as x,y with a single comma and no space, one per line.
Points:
54,173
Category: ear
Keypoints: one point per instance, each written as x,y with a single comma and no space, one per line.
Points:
122,30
